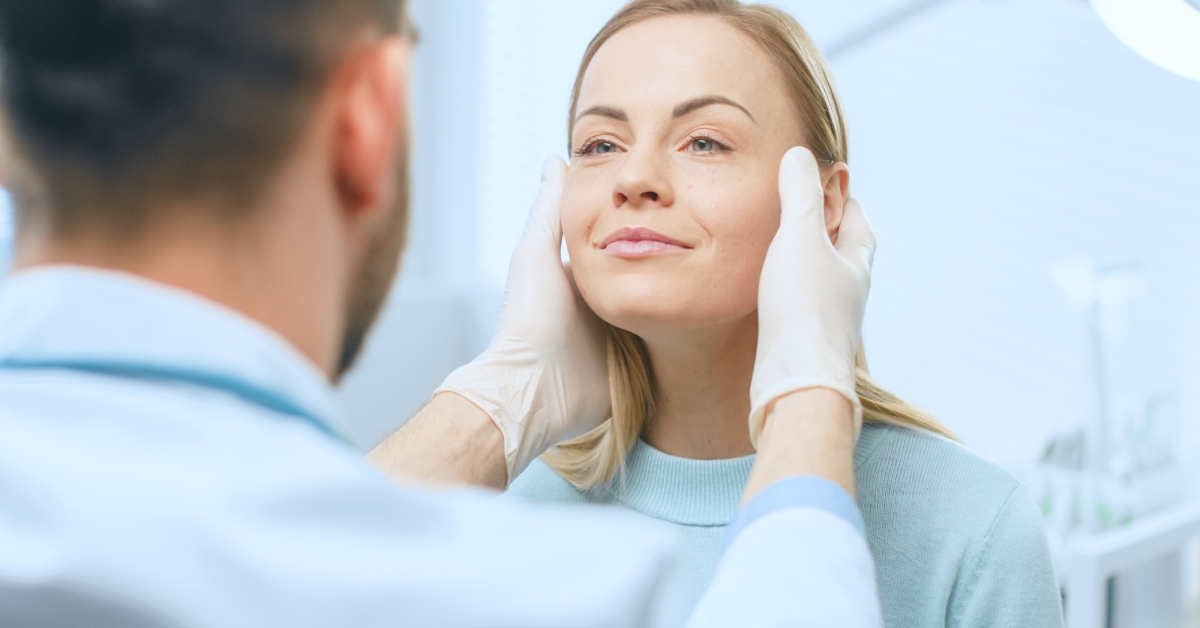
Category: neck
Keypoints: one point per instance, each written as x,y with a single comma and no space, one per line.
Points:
246,267
702,391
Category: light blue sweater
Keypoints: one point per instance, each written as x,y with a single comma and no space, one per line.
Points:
957,541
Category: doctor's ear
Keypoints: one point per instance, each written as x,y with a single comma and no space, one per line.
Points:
835,183
370,115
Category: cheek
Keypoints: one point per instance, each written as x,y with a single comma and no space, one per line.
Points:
583,200
581,207
742,220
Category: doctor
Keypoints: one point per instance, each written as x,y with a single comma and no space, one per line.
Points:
211,208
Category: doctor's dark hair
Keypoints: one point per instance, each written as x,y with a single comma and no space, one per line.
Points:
112,108
594,459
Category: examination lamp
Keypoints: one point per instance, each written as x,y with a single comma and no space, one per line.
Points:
1166,32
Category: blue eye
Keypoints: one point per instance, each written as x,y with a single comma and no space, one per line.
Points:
596,147
703,145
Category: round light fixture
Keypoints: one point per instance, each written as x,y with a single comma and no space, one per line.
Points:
1166,32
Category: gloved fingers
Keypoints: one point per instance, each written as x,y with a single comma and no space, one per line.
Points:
534,265
801,198
544,227
856,241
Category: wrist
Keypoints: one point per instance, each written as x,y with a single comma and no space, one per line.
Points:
819,410
520,396
810,432
763,401
450,441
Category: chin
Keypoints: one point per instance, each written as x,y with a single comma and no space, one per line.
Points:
649,315
650,304
624,299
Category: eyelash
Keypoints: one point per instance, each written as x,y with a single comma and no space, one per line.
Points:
587,148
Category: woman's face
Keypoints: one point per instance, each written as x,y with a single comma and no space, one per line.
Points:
672,199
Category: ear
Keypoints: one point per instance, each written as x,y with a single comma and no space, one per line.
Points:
372,110
835,183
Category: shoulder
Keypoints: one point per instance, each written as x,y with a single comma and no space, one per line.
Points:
932,477
540,483
942,519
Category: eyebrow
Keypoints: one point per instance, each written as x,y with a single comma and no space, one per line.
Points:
680,110
705,101
607,112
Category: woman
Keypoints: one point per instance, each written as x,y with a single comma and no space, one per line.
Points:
680,115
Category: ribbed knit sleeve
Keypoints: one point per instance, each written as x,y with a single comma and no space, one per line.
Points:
1007,579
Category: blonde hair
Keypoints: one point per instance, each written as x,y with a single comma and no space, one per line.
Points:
593,459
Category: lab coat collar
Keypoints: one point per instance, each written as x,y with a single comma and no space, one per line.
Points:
116,323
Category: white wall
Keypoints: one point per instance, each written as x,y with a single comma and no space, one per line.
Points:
989,141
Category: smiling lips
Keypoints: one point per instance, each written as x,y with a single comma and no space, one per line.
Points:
633,242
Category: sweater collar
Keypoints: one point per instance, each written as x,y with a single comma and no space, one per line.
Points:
699,492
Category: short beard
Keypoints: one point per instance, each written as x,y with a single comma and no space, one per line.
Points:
371,286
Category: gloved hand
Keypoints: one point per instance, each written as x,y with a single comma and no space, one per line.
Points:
544,377
811,297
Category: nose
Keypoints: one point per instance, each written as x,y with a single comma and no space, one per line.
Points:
644,181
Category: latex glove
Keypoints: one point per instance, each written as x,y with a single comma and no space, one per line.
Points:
811,297
544,377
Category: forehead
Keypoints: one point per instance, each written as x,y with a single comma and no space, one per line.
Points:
660,62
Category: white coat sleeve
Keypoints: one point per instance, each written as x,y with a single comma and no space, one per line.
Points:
796,556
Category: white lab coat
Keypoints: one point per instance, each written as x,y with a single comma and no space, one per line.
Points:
167,462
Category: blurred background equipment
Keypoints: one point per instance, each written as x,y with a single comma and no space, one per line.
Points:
990,140
1124,457
1112,489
